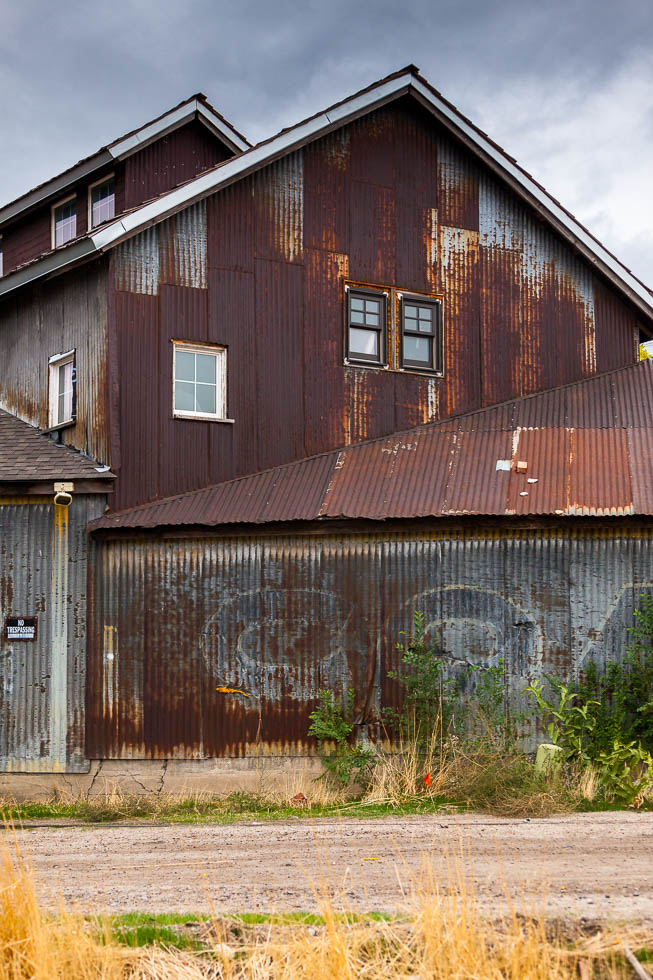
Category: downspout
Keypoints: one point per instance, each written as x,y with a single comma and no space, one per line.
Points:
59,628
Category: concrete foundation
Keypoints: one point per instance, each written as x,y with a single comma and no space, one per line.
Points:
176,777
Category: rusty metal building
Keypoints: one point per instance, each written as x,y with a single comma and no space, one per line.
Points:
280,543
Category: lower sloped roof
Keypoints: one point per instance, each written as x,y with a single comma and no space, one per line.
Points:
587,449
27,455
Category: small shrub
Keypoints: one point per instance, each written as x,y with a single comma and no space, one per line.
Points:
428,694
332,726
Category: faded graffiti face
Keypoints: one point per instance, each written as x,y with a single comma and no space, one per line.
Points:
264,643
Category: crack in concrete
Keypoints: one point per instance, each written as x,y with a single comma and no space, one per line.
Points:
95,776
164,770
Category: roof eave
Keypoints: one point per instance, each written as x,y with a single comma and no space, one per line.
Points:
51,264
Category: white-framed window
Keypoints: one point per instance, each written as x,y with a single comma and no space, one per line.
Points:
64,221
101,201
61,386
199,386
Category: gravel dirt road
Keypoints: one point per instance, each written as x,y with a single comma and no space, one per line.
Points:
596,866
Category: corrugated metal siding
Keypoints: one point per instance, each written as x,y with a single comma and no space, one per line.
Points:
42,683
170,161
390,199
272,619
53,318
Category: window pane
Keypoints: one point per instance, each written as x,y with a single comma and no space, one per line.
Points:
372,319
65,223
64,393
410,311
372,305
184,366
205,367
357,304
425,313
364,342
184,396
357,316
205,399
417,349
103,202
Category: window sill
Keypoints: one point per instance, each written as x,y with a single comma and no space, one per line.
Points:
424,372
58,428
196,417
349,362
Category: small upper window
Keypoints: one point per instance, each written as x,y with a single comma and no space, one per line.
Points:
420,334
200,381
62,389
366,326
64,222
102,202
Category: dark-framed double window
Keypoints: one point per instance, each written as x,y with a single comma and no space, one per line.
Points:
421,345
367,324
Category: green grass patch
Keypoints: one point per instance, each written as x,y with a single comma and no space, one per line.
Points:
237,807
137,929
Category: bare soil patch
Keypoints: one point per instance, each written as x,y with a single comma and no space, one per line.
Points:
586,866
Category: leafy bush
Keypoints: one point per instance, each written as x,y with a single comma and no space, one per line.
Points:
606,721
332,726
428,694
433,698
626,772
568,721
623,692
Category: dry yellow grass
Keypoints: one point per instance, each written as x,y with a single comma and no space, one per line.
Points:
442,935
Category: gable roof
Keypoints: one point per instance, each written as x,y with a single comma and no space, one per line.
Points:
29,456
196,107
406,81
587,446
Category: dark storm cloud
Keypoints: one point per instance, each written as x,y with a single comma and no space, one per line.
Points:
564,86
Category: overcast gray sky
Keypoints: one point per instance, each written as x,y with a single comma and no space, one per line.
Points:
566,87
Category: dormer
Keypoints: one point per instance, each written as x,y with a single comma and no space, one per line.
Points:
157,157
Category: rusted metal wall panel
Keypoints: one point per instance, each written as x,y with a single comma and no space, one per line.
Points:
65,314
137,263
137,417
324,280
327,169
279,209
279,322
170,161
42,682
235,636
231,228
183,247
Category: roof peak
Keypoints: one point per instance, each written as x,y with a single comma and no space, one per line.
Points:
197,106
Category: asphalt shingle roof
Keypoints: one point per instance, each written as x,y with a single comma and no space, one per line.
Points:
27,456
